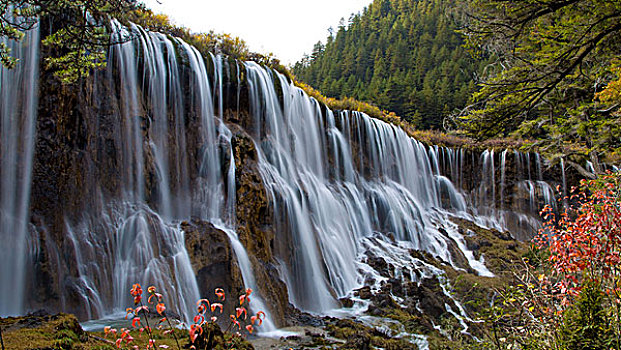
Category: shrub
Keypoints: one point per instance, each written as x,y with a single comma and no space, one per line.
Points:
203,334
587,324
569,294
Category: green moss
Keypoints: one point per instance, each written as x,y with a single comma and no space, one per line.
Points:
348,329
502,253
60,331
63,332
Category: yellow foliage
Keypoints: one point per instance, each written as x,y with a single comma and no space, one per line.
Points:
612,93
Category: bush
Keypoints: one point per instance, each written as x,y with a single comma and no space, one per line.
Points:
568,296
587,324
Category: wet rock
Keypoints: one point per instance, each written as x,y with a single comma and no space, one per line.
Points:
346,302
430,297
384,299
254,216
459,259
364,293
295,317
212,337
410,288
379,264
374,310
357,341
443,232
396,286
505,236
502,253
472,244
212,258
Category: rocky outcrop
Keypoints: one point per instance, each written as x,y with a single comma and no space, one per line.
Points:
213,261
44,331
255,225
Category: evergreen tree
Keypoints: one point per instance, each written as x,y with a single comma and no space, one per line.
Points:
402,55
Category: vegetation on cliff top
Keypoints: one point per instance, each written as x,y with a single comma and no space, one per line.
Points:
403,55
236,48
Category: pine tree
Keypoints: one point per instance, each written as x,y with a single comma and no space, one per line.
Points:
402,55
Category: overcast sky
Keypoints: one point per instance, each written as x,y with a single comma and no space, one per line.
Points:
287,28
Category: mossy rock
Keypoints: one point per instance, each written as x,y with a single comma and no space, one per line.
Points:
46,332
502,253
359,336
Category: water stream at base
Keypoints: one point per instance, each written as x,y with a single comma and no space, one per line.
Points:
257,304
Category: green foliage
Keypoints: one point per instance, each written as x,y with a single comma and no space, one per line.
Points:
587,324
551,57
401,55
61,331
16,18
78,39
351,104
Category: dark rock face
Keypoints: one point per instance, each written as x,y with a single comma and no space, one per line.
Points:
459,259
364,293
254,216
431,297
56,193
255,226
213,260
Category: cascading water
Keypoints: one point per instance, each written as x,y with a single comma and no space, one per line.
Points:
329,196
169,173
504,190
18,108
257,303
160,150
133,238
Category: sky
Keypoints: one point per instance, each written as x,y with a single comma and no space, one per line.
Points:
286,28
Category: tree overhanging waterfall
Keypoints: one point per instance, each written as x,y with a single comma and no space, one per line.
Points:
166,138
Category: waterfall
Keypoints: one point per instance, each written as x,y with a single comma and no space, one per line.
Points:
159,150
18,110
172,154
134,237
328,196
257,303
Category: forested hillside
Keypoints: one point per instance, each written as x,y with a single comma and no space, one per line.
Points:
402,55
